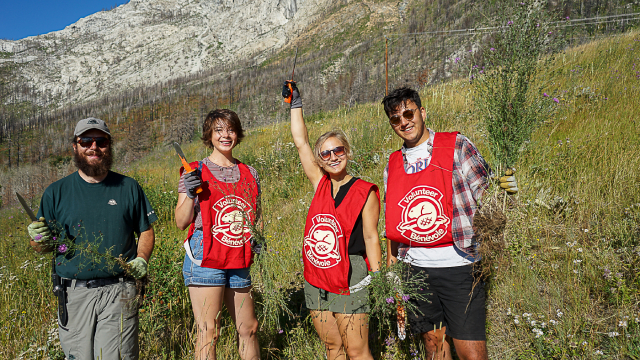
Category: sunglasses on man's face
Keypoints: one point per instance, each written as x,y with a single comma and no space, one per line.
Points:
395,120
86,142
326,155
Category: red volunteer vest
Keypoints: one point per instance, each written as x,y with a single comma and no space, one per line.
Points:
226,212
327,233
419,206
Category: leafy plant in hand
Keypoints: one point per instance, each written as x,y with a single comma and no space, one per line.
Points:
389,288
508,90
69,247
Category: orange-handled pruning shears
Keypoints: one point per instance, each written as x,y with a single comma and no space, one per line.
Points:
287,92
186,165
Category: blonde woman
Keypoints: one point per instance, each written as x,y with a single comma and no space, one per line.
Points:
340,235
218,247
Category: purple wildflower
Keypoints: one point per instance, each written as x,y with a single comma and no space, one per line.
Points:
567,18
37,237
405,298
55,238
556,100
390,300
280,331
510,22
492,49
62,248
545,94
389,341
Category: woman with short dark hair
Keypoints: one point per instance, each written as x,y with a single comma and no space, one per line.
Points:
220,204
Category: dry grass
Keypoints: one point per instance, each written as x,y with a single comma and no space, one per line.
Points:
569,254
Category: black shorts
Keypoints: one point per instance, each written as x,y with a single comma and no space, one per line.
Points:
451,303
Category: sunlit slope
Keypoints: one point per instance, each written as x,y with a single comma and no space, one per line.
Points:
571,260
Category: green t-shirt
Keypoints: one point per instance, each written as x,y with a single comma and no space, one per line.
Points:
97,222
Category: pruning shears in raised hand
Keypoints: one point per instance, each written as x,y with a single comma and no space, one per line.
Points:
183,159
287,92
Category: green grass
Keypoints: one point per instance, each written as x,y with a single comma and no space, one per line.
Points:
572,237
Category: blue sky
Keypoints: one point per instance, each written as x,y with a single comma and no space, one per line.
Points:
22,18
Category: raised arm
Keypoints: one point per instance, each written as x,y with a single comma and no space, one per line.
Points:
301,140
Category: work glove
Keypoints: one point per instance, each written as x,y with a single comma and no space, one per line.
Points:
508,182
257,246
138,267
296,100
39,231
192,181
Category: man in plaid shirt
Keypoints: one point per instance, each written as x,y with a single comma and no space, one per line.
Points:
435,236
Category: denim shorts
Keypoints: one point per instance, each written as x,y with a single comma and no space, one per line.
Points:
197,275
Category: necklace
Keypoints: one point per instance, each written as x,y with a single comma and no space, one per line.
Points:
224,167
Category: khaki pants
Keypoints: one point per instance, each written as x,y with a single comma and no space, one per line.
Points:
103,323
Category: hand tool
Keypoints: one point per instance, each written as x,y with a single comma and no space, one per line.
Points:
287,93
187,168
58,289
27,208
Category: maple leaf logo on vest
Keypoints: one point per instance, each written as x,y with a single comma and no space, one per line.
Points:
232,221
322,246
423,219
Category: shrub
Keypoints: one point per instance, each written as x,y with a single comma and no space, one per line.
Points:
508,93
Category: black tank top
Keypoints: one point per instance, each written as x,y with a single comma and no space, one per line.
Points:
356,241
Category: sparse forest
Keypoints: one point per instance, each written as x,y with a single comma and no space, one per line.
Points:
337,68
562,273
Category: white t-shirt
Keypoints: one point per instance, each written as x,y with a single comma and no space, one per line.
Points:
417,159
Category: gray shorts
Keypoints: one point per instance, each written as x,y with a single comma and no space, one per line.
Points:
103,322
357,303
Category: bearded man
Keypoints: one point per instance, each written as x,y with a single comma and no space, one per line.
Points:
90,219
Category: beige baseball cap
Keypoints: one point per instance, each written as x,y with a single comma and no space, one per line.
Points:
89,124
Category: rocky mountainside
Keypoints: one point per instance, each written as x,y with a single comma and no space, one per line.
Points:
145,42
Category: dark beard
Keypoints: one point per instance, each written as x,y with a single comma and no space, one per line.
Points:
98,169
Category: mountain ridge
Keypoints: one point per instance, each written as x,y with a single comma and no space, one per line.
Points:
145,42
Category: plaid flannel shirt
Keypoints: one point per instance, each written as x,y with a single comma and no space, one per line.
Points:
470,179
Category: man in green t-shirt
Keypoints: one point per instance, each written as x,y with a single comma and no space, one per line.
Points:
90,219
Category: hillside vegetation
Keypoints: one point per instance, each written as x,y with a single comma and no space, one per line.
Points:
340,63
564,285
